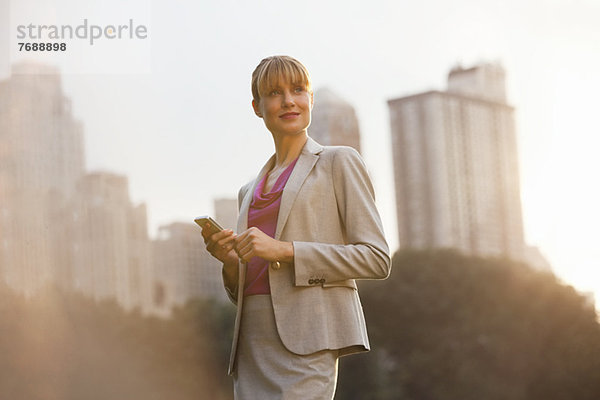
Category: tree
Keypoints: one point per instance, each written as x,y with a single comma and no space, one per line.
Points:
448,326
59,345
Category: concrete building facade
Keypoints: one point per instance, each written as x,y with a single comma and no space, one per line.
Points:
456,166
58,225
334,121
183,269
110,244
41,159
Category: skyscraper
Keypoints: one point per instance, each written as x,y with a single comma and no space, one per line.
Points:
456,166
226,212
109,240
183,268
334,121
41,159
59,225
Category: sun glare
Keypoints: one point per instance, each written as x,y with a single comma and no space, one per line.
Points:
571,189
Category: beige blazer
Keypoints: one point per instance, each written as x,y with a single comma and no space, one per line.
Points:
328,211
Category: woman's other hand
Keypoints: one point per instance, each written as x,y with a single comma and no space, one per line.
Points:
256,243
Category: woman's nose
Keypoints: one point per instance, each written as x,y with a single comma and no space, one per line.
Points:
288,99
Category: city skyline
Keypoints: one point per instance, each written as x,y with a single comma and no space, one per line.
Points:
178,267
171,131
67,227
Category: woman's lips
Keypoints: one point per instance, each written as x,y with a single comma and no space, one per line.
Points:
289,115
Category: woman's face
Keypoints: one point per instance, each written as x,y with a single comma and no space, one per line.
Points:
285,108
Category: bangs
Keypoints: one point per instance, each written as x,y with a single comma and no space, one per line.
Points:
272,71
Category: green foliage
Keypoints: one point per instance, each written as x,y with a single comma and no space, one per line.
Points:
443,326
447,326
64,346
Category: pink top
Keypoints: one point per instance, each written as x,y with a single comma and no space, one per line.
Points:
263,213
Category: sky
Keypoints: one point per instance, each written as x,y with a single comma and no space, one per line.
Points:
174,115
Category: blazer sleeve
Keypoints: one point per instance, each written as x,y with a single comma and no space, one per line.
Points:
365,253
232,287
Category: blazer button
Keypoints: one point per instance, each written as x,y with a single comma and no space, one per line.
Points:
276,265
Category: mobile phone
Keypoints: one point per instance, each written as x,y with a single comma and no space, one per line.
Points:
204,219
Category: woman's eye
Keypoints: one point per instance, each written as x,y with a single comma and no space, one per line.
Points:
274,92
299,89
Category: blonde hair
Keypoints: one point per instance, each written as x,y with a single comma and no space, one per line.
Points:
270,70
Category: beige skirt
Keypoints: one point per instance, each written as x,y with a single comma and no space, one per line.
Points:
266,370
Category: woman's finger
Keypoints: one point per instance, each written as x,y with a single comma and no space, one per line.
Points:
226,240
226,246
241,249
207,233
241,241
245,251
216,237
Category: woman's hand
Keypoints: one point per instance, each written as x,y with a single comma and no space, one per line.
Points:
256,243
220,245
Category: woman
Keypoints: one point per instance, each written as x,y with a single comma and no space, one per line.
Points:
308,227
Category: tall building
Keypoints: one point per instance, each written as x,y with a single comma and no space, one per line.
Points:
334,121
58,225
41,159
80,231
110,245
226,213
456,166
183,268
41,141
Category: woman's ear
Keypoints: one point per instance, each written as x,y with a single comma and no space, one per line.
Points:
312,100
256,109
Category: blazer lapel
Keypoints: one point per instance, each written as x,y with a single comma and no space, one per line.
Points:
306,162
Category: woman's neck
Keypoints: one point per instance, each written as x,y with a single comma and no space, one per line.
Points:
288,148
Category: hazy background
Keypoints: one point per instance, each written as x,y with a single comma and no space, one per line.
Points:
184,133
